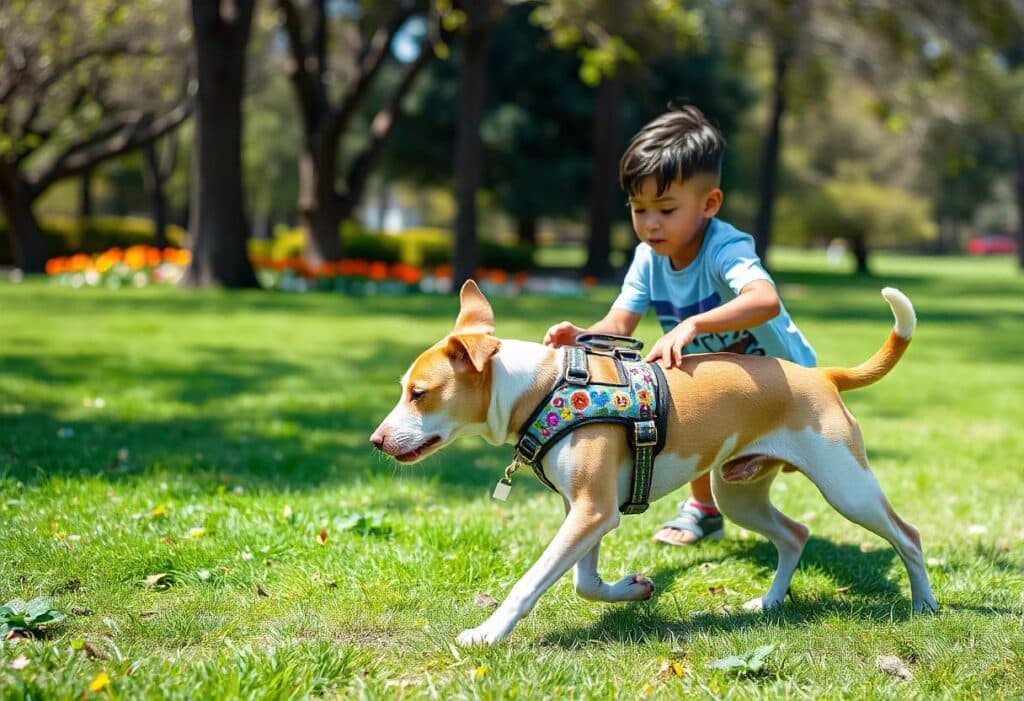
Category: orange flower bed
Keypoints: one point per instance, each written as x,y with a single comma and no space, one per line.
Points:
142,265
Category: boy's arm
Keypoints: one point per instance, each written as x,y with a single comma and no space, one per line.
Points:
756,303
617,321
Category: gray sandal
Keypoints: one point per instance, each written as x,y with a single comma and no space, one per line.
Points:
693,520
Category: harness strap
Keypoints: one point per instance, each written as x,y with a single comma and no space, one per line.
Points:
647,436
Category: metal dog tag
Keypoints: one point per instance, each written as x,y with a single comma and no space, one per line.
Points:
502,489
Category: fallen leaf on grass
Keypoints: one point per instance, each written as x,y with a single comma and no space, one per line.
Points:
147,614
891,664
670,668
720,590
90,650
321,537
750,662
100,682
484,600
260,590
81,611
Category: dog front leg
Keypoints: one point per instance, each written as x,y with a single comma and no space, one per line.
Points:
578,535
589,585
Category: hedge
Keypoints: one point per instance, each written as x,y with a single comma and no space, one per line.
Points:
67,235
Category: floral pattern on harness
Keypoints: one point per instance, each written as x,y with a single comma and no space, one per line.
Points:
572,403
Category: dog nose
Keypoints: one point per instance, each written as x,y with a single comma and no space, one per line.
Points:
377,439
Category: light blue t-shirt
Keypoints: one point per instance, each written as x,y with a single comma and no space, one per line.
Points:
725,264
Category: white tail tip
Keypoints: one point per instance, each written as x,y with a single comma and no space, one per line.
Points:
902,310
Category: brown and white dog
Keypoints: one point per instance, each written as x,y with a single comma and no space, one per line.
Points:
741,417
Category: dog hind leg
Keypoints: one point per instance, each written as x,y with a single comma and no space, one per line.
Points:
852,490
746,503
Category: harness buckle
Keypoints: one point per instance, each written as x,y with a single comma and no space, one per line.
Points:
577,368
528,448
645,434
628,354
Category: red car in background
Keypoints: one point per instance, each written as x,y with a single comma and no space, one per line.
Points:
991,245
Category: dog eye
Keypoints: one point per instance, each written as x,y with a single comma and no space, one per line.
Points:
415,393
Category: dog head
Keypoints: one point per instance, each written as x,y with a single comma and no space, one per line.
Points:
447,390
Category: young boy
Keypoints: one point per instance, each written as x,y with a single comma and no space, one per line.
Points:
706,284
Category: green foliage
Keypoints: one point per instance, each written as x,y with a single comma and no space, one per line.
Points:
857,209
66,235
422,247
20,616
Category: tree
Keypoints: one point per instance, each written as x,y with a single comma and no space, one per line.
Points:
66,104
611,37
217,228
479,18
326,118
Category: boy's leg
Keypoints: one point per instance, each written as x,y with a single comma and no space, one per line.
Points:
697,518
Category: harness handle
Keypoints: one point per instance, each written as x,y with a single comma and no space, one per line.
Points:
608,342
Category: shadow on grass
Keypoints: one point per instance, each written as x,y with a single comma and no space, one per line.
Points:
871,595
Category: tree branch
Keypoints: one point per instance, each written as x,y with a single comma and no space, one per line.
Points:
380,128
370,62
301,79
93,151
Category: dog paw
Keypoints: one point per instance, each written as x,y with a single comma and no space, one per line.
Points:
633,587
762,603
481,635
929,605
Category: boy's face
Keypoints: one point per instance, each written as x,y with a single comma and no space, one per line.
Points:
672,223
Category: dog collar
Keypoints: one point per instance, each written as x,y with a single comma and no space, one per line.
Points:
638,402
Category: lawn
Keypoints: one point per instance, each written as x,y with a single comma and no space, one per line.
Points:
188,476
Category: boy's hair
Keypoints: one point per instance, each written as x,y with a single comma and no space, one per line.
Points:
675,146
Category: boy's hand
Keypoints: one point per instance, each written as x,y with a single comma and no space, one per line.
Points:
668,350
562,334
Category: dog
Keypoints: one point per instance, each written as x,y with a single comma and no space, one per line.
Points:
743,418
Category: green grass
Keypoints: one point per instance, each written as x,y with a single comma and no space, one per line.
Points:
131,419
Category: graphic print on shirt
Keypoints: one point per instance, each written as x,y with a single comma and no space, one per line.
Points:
742,342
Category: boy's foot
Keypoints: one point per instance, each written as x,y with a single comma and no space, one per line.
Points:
694,523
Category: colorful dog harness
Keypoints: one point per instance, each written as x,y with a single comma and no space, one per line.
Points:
638,402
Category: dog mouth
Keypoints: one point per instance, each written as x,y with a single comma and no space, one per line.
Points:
419,452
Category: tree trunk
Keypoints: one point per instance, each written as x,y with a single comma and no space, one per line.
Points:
468,150
153,178
217,227
1018,153
607,128
768,178
319,211
85,207
28,247
526,231
859,248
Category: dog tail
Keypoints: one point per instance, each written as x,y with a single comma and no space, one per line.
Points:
877,366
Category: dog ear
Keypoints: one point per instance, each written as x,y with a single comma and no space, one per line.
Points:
475,314
472,349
